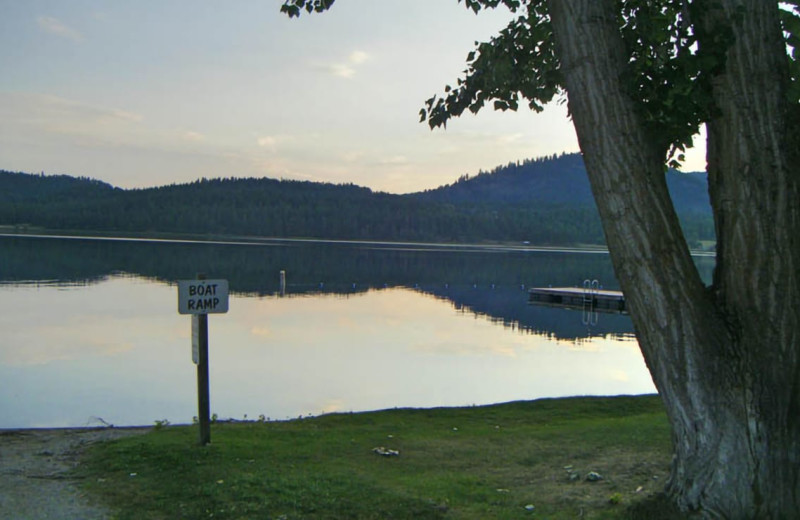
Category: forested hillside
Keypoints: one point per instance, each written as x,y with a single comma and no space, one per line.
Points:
557,180
543,201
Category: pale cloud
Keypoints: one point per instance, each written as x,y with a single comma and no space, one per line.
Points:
396,160
347,69
352,157
341,70
358,57
366,159
60,115
510,138
280,144
193,136
58,28
449,150
267,141
39,122
475,138
66,108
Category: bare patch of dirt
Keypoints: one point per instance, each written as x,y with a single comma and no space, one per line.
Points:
35,465
592,484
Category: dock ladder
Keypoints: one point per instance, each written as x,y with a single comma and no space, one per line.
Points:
590,288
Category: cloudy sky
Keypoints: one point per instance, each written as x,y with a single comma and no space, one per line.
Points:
152,92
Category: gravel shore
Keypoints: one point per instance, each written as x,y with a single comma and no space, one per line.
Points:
34,472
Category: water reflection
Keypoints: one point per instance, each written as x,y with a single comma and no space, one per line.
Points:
488,281
118,350
419,329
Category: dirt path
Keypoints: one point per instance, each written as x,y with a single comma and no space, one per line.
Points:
33,472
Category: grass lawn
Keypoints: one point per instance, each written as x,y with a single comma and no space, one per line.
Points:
517,460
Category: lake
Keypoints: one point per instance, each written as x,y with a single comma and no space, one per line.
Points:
91,333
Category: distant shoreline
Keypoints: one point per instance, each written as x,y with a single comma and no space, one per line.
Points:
272,241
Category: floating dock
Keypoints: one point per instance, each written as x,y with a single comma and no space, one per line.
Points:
581,298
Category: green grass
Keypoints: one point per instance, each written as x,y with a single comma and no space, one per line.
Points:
475,462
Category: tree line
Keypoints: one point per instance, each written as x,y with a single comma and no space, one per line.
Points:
477,209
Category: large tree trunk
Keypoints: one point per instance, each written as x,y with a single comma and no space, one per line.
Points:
756,201
725,358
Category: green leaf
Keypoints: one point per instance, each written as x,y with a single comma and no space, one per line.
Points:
293,8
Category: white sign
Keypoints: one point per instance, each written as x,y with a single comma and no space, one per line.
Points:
195,338
202,296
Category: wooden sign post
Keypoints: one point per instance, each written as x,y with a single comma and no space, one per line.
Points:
200,298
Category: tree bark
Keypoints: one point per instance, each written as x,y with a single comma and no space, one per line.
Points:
725,358
756,201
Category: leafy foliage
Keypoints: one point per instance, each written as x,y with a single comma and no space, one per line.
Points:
520,62
790,18
669,70
294,7
671,60
667,79
477,5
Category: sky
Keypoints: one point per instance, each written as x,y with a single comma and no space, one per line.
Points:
154,92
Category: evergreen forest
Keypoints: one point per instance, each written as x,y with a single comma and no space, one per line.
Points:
543,201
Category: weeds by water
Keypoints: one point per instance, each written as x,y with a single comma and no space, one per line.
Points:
516,460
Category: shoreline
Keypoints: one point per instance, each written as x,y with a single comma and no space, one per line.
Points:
36,479
272,241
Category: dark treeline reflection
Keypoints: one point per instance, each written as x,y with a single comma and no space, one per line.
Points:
490,283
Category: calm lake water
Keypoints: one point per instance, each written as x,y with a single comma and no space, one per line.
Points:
91,331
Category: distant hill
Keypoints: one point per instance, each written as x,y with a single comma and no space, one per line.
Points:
689,192
22,187
556,180
542,201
